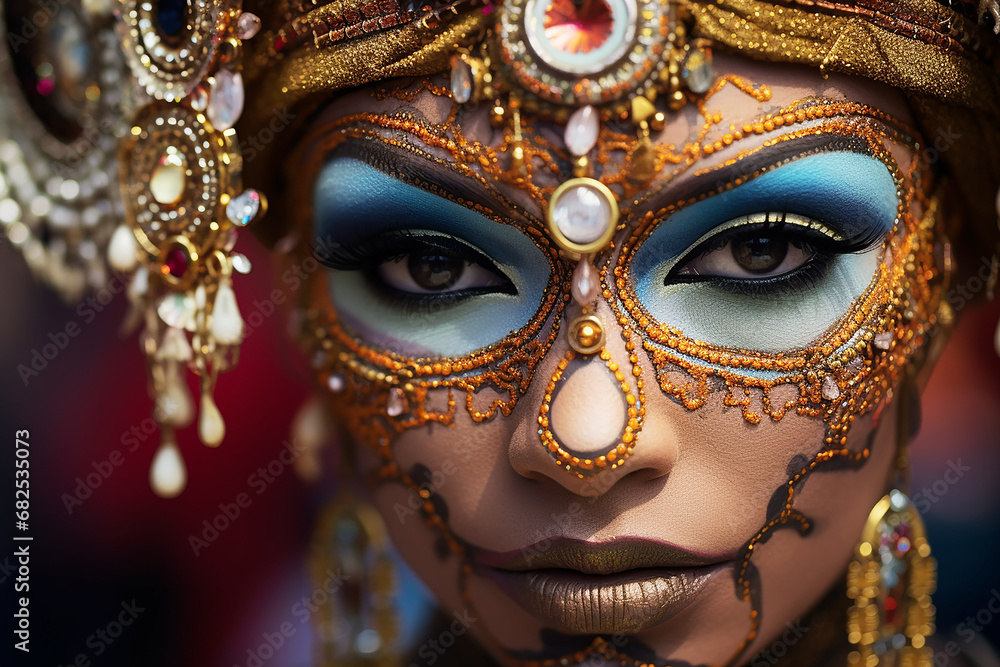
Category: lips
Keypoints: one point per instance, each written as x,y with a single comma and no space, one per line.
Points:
584,587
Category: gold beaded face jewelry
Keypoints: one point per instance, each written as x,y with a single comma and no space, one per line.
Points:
849,373
581,63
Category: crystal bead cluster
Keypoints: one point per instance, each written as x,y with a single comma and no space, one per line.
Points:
183,205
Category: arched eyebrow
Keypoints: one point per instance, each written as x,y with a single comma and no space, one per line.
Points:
713,180
850,194
410,165
828,126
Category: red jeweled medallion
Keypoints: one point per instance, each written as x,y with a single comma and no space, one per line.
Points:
578,27
579,52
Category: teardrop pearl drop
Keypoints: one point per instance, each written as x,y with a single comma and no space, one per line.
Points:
140,283
227,323
461,81
586,283
122,249
168,475
582,130
396,404
174,405
310,432
226,100
211,427
174,346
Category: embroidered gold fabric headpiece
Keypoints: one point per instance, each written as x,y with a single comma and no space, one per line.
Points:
940,57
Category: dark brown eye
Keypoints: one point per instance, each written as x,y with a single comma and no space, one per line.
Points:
757,249
435,272
759,254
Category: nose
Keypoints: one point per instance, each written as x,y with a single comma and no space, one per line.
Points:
588,436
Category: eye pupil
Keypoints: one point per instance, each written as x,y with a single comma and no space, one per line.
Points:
435,272
759,254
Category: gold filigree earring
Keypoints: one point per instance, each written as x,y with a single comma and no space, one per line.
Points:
354,577
356,618
892,576
180,171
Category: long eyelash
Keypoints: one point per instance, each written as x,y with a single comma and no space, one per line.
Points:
371,251
367,254
858,244
803,277
364,252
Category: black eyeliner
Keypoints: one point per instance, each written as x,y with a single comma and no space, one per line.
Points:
825,249
368,253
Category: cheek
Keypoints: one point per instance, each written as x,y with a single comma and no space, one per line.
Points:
467,473
451,471
795,572
422,548
719,492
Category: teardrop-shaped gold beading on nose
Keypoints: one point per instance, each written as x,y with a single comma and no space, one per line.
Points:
578,462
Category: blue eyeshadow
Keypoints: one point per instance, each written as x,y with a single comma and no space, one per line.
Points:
851,193
353,200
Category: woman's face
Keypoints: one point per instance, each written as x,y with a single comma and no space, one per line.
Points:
759,298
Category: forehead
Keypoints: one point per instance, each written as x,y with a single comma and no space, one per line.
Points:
751,91
427,98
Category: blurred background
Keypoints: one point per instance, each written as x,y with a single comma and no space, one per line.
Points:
111,547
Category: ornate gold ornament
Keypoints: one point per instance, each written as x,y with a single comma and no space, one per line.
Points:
65,105
890,581
181,184
78,117
582,63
